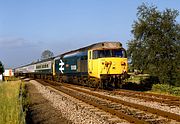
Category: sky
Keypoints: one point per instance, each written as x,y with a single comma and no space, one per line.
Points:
28,27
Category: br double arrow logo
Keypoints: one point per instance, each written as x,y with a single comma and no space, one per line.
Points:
61,64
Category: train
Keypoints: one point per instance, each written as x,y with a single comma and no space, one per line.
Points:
99,65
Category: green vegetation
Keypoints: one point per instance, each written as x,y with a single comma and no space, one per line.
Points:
155,48
46,54
137,78
167,89
11,100
1,68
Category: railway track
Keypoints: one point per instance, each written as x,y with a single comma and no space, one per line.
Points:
132,112
165,99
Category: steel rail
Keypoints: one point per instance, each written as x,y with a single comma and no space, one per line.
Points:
104,108
174,98
149,98
119,114
169,100
134,105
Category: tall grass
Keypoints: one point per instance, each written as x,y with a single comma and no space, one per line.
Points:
10,105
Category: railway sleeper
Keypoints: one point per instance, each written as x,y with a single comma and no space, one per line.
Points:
136,106
94,104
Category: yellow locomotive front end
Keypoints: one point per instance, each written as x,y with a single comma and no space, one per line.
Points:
107,62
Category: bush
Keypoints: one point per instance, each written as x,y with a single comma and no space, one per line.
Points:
175,91
161,88
165,88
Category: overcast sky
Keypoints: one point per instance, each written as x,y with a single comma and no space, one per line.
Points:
28,27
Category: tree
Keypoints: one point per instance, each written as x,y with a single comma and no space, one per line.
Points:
156,43
46,54
1,68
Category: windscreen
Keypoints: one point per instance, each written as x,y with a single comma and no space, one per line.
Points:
109,53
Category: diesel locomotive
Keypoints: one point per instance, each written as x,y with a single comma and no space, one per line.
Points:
100,65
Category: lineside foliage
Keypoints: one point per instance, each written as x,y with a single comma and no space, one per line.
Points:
10,103
1,68
155,47
165,88
46,54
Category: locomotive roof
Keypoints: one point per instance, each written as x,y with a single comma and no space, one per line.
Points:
96,46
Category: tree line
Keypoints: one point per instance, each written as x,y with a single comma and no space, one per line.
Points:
155,46
1,68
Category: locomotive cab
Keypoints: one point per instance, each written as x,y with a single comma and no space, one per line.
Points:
108,63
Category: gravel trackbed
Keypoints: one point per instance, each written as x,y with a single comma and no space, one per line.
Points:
41,110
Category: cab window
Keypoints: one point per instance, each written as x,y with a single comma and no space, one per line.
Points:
109,53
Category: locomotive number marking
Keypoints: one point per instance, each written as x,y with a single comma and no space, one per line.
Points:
73,67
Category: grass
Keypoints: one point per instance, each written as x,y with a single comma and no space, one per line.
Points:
10,103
